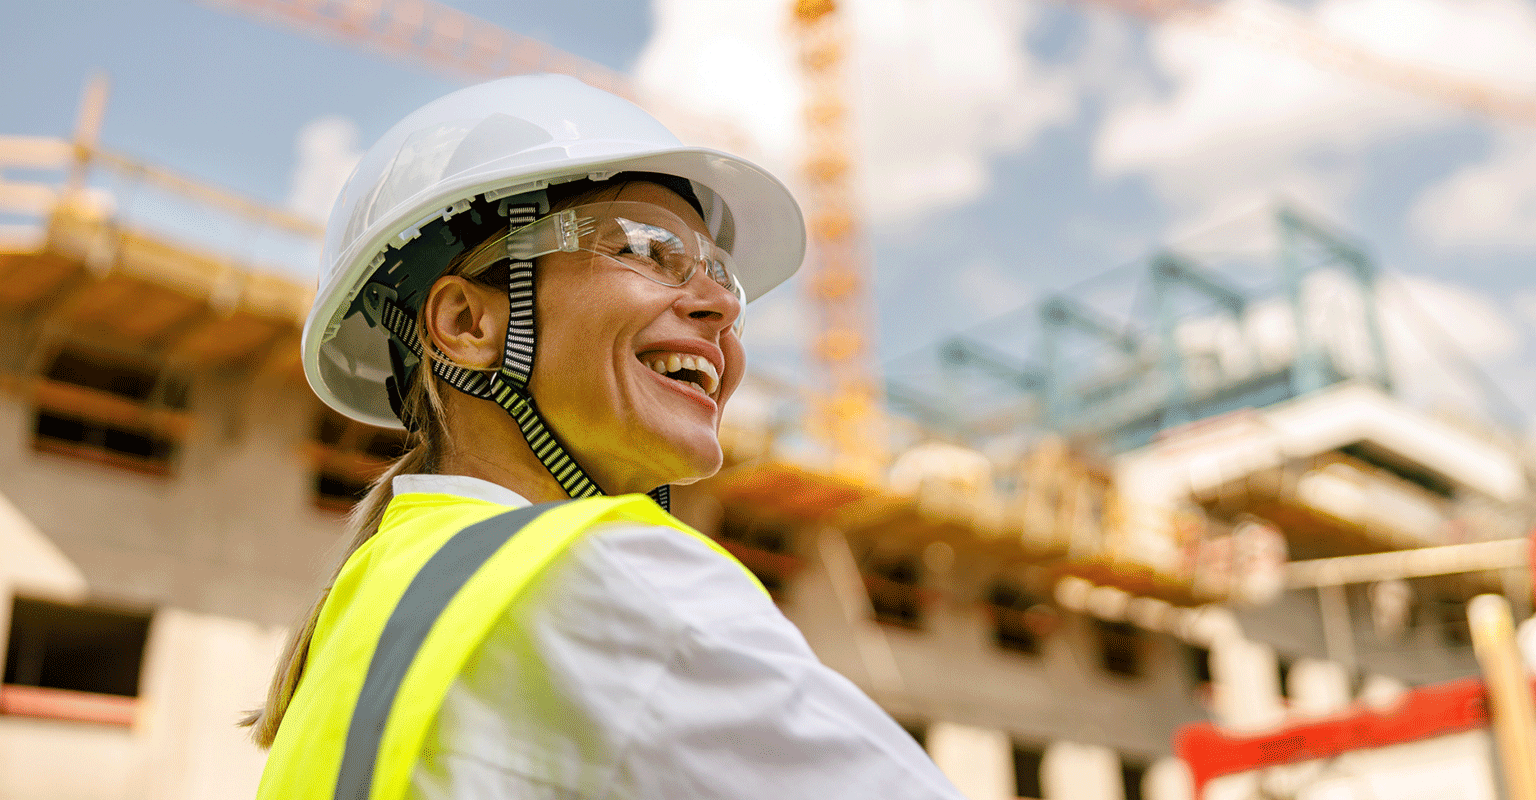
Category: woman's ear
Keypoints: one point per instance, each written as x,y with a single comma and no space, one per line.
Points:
467,321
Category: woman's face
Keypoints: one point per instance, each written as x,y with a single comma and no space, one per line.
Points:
601,328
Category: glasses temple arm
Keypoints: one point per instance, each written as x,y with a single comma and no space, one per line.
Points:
557,233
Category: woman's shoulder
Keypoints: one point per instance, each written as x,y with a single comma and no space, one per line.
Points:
670,569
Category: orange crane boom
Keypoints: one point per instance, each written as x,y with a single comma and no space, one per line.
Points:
1294,35
451,41
432,34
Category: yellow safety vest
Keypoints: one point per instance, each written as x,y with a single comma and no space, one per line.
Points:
407,611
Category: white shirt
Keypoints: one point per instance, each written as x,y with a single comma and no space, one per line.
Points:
648,666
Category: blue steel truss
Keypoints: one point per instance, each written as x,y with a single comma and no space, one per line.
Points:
1123,382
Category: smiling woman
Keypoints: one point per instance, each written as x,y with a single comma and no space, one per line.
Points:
545,289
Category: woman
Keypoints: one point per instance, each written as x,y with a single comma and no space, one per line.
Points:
546,288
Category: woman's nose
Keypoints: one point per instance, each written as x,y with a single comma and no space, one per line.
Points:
704,298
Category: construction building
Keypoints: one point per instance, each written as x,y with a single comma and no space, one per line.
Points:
1045,621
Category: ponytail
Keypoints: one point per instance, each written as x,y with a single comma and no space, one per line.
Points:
427,446
362,524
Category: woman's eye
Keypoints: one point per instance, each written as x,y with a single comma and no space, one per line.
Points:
659,250
631,247
718,272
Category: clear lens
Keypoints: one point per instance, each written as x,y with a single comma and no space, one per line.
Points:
641,237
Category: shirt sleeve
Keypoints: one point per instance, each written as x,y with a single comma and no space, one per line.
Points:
658,669
744,709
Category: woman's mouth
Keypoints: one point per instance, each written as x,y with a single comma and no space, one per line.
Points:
684,368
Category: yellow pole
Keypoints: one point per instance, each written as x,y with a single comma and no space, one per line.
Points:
93,110
1509,692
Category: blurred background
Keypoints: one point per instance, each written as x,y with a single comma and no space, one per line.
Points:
1155,396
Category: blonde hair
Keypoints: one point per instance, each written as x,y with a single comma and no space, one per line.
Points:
425,447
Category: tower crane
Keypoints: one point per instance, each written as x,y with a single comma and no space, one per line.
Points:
847,405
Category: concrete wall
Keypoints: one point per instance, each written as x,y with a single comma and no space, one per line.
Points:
1420,655
54,760
226,551
952,671
201,674
232,530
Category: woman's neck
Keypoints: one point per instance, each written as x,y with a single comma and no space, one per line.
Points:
485,443
534,483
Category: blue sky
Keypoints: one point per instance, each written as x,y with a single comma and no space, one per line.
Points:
1009,149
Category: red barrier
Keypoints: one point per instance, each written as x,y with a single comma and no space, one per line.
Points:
1421,713
60,704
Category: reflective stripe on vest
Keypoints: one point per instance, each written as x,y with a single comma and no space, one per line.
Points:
418,609
406,613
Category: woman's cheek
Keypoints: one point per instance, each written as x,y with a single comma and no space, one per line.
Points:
736,367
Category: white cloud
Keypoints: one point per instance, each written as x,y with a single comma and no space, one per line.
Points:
1243,223
732,61
1242,121
325,151
1107,64
947,85
1440,336
939,88
1469,321
1525,302
985,289
1249,116
1484,206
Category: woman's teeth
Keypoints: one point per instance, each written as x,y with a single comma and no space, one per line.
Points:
686,368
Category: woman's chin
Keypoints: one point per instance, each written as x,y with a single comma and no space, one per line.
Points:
693,460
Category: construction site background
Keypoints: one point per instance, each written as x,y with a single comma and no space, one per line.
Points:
1054,555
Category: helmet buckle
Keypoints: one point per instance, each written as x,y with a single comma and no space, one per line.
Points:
374,296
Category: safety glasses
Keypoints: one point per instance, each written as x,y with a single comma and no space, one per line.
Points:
641,237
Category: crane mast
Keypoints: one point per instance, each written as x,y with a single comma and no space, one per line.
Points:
846,414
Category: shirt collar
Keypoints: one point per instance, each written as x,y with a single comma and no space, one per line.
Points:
459,486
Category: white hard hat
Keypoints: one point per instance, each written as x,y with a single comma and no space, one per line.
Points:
504,138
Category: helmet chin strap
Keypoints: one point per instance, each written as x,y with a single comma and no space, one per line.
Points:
508,386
